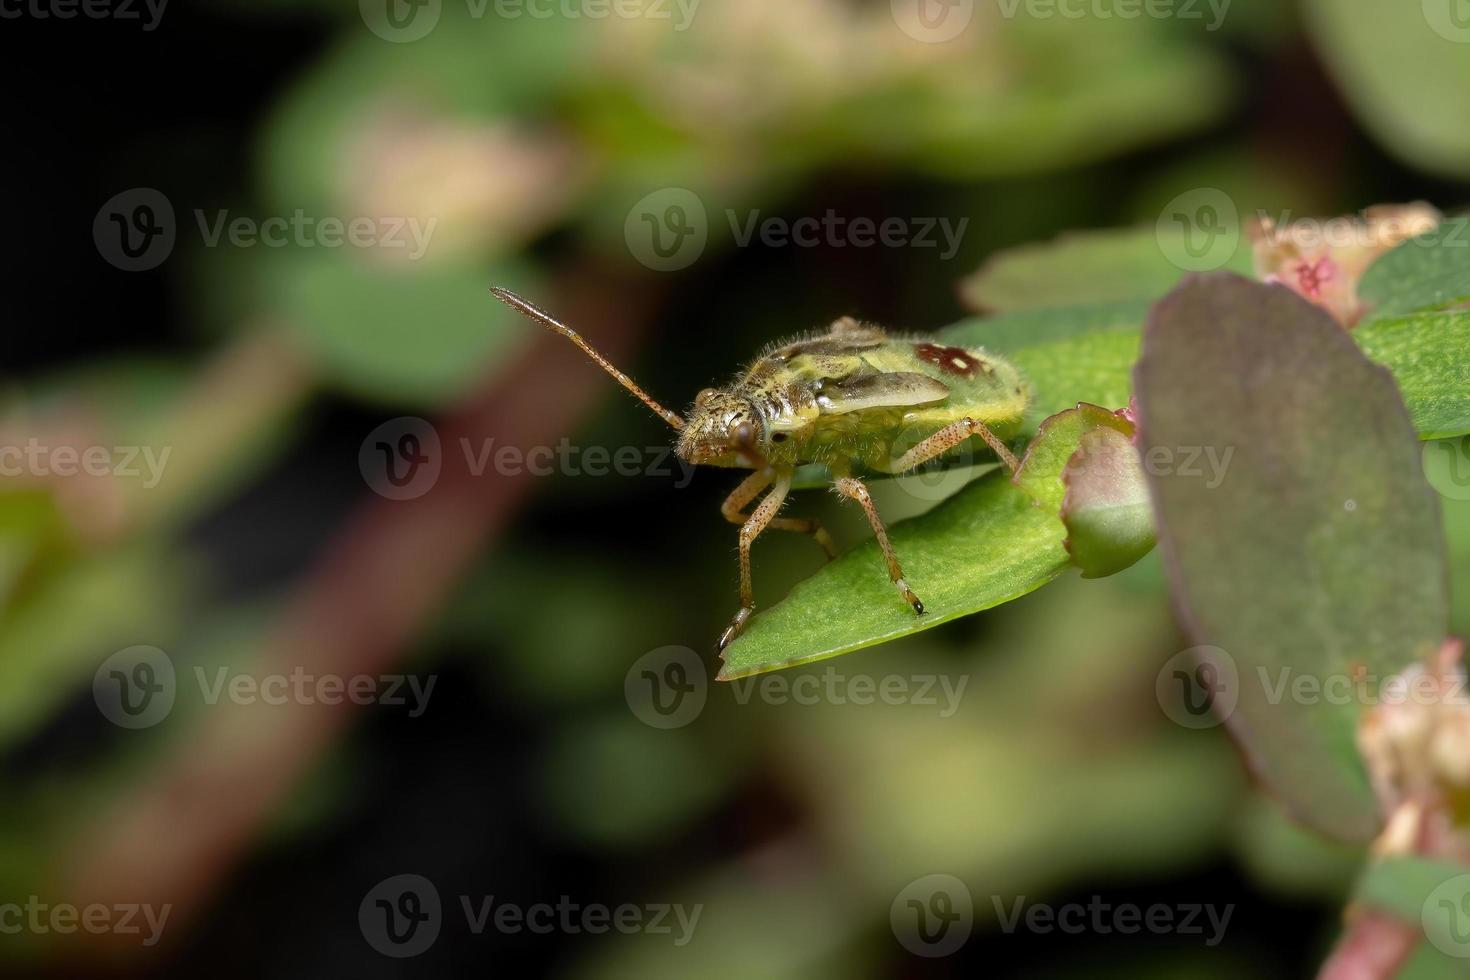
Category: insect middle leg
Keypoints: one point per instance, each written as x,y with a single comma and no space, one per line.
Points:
762,517
734,506
946,439
855,489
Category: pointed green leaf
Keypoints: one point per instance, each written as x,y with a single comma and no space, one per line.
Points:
996,540
984,546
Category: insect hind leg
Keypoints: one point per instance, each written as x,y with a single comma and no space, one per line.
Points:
946,439
855,489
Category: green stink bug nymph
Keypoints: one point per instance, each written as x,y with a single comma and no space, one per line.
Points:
841,398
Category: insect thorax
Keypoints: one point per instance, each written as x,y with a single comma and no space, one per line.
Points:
826,401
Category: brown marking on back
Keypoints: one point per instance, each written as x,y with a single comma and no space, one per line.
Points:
951,360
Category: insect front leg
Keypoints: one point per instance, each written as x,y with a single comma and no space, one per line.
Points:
734,511
946,439
759,520
855,489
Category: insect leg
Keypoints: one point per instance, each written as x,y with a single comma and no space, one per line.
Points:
946,439
763,515
855,489
734,510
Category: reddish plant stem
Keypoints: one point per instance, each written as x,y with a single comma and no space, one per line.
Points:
1374,947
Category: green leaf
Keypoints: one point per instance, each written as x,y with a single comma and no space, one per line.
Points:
986,545
1320,553
1043,469
1109,518
1430,272
1009,332
1401,885
1081,268
419,333
995,540
1086,353
1405,68
1429,355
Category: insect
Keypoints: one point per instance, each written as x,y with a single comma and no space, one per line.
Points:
845,398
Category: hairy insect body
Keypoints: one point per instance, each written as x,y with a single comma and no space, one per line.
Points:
860,400
853,398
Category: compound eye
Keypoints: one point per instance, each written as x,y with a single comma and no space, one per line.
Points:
744,434
702,399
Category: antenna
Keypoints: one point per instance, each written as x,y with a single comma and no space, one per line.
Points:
529,309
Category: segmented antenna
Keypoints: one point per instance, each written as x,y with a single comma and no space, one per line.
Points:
531,310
